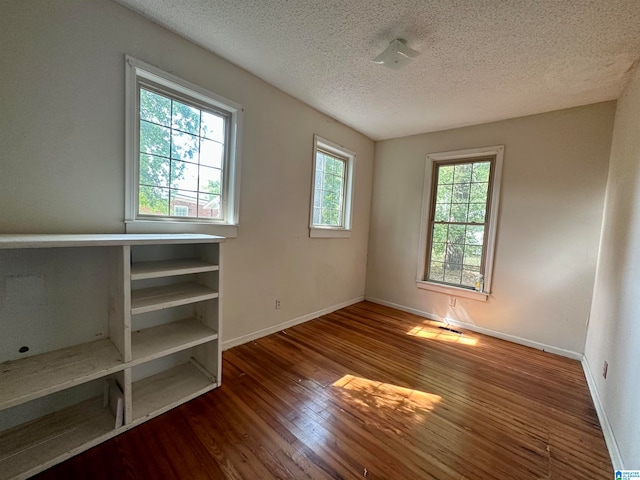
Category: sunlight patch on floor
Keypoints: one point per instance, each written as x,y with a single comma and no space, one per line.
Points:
379,396
441,335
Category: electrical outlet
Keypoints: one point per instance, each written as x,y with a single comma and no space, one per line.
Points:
278,306
605,368
452,301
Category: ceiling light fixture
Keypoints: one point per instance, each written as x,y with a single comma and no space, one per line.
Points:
396,55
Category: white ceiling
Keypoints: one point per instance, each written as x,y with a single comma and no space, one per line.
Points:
481,60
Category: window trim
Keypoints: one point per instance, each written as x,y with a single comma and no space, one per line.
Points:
471,154
327,231
136,72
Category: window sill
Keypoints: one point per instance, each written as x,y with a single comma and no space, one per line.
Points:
226,230
453,291
329,233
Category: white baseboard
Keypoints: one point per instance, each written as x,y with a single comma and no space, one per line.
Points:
234,342
485,331
609,438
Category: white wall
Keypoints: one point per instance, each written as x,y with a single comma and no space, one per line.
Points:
614,328
62,154
554,177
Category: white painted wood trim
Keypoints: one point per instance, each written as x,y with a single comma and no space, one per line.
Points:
453,291
10,241
234,342
607,431
316,232
485,331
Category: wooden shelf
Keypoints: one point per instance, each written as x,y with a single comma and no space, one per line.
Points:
54,438
167,296
39,375
143,270
156,342
102,240
162,392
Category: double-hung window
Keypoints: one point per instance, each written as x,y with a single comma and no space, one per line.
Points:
459,221
332,189
182,150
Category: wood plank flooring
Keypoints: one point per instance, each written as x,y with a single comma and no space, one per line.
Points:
369,392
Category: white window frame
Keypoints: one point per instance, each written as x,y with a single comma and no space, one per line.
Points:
327,231
470,155
136,69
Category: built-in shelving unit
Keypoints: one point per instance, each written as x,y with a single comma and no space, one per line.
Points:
101,333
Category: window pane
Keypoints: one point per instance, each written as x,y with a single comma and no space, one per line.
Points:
209,206
481,171
334,166
184,146
479,192
454,254
442,212
154,139
453,273
153,200
320,161
211,153
155,108
184,175
186,118
461,192
437,252
319,181
212,127
459,212
436,271
462,173
185,199
332,183
330,217
456,234
316,215
154,170
475,235
210,180
445,174
477,212
472,255
440,233
444,194
330,200
469,277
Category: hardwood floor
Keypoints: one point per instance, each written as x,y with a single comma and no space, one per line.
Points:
370,392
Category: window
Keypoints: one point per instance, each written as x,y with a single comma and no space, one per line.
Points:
459,221
332,189
182,150
181,210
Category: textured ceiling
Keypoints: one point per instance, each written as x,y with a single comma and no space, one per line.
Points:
481,60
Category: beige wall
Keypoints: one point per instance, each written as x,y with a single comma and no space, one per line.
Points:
62,154
614,328
554,176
